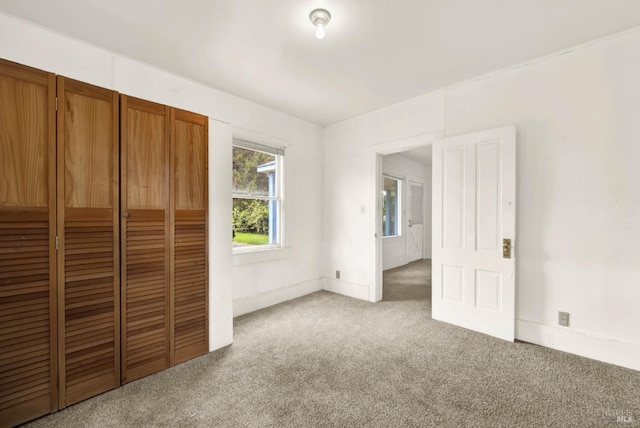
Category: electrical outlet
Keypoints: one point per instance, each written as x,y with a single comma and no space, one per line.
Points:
337,274
563,318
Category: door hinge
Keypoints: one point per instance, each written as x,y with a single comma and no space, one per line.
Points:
56,243
56,103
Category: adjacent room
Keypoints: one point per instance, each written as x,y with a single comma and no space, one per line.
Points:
319,213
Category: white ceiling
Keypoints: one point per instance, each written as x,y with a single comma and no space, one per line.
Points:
375,53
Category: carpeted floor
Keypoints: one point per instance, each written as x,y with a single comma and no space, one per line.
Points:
325,360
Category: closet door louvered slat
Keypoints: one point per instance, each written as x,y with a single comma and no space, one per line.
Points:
144,130
88,227
189,269
27,244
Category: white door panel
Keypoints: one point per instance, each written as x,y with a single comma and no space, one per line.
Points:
414,242
394,252
474,186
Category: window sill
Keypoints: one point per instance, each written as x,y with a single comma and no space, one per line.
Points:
260,255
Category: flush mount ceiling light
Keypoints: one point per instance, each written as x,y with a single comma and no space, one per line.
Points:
320,18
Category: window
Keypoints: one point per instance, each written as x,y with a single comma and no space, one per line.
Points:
257,196
390,207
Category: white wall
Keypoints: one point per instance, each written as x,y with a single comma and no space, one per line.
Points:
297,269
394,248
578,221
350,232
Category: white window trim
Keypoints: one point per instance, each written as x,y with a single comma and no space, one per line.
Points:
400,205
252,141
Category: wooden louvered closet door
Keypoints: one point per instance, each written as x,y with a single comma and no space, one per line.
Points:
27,244
89,253
144,139
189,255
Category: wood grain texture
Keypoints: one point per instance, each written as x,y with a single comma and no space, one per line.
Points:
145,304
28,317
132,281
189,252
24,143
88,142
146,166
190,165
24,304
88,224
91,303
146,319
191,336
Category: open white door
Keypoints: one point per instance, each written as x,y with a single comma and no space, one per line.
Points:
474,203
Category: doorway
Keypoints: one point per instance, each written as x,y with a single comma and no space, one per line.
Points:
473,223
406,176
410,283
413,241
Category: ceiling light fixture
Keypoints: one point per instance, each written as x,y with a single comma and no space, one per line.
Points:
320,18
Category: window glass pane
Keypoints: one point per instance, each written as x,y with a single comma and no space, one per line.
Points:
254,222
252,171
255,218
390,207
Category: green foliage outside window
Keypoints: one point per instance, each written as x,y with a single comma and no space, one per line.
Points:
251,211
246,179
250,215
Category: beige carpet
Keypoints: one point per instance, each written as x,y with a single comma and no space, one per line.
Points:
325,360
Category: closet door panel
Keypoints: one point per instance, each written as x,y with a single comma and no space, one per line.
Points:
189,252
145,237
27,244
88,225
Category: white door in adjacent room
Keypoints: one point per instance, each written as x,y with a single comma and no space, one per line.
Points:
415,234
473,265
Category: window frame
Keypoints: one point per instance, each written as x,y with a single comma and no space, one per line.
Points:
279,153
399,206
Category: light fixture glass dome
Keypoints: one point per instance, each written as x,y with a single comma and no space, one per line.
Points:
320,18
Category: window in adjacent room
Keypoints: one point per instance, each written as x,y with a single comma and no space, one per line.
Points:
390,206
257,196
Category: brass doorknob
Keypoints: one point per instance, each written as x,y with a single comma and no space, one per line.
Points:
126,215
506,248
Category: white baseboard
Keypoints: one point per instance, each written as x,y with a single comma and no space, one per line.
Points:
273,297
349,289
612,351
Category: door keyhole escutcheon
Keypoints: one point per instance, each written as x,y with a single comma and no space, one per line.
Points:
506,248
